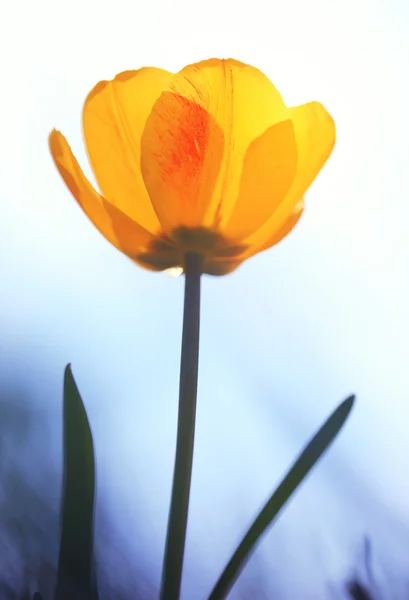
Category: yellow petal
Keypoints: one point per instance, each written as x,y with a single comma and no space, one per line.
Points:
181,153
115,226
269,169
315,134
221,267
114,117
278,235
242,104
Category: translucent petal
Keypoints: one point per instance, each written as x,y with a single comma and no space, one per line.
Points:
114,117
221,267
241,103
278,235
269,169
181,153
115,226
315,134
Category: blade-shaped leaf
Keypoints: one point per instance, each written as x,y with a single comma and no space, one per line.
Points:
307,459
75,566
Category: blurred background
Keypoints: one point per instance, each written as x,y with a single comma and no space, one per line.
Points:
284,339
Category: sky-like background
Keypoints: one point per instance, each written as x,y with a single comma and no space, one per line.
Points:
284,339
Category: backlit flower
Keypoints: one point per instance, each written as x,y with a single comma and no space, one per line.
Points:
209,160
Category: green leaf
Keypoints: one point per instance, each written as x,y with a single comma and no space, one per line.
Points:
307,459
75,566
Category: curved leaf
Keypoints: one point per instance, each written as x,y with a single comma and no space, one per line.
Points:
307,459
75,565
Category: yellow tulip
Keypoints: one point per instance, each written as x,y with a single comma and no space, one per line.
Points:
208,160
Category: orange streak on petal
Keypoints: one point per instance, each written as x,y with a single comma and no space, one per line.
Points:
242,104
181,152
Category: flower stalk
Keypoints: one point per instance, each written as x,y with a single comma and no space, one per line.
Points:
178,514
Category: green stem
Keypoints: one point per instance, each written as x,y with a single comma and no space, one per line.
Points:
177,524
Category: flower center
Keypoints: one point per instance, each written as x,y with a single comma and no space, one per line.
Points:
168,251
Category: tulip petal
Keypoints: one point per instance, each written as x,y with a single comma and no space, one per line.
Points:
221,267
269,168
278,235
115,226
181,154
315,134
114,117
241,103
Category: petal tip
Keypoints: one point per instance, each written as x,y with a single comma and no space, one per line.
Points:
55,140
324,115
97,89
126,75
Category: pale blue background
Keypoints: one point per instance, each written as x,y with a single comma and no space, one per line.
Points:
284,339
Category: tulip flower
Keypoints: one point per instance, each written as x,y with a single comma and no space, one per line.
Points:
209,160
199,171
